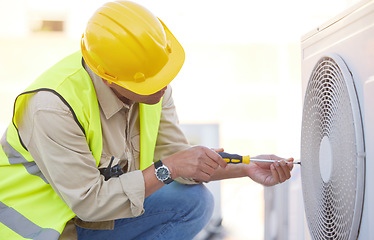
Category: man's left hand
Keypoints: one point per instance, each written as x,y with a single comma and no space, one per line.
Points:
269,174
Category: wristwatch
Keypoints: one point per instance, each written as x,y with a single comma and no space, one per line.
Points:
162,172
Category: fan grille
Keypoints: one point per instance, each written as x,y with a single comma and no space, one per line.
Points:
332,152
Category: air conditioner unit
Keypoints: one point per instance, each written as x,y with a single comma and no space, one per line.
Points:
337,135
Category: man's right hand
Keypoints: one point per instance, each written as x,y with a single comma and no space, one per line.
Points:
198,163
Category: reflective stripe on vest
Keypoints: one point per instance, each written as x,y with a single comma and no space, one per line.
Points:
29,207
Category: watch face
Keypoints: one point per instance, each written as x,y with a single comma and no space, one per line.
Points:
162,173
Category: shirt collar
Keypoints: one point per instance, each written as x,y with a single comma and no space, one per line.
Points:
109,102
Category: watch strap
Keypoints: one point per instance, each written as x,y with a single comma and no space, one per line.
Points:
168,180
158,164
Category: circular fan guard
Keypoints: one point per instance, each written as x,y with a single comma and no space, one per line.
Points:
332,152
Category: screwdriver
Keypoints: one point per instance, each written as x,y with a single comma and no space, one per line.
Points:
235,159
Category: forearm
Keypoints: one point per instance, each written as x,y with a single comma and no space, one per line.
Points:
231,171
267,174
152,184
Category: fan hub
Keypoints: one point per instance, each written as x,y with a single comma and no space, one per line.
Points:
325,159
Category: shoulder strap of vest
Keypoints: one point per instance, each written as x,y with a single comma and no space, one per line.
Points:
149,122
74,87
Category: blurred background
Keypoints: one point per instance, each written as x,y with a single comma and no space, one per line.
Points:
240,87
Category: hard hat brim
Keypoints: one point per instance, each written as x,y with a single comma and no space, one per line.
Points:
154,84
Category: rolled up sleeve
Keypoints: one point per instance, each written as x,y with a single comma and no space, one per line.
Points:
134,191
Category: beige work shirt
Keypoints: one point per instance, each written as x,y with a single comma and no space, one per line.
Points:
60,149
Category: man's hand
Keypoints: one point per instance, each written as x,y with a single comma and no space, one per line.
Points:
199,163
269,174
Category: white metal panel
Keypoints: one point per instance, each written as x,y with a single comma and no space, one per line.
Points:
367,230
351,36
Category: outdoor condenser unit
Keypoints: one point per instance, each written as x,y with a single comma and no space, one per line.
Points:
337,135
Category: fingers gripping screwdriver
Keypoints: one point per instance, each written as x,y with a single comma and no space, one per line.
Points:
235,159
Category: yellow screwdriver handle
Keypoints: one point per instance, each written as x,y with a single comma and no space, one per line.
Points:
234,158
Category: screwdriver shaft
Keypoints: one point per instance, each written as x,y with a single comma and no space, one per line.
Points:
269,160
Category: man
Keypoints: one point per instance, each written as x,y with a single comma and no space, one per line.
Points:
77,159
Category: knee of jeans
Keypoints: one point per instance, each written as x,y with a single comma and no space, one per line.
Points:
203,203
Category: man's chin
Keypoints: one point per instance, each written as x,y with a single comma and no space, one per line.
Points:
152,101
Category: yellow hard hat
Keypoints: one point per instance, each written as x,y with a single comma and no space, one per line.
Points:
126,44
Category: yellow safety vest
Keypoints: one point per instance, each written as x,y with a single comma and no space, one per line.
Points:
29,207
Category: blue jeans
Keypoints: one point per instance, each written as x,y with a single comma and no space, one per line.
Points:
176,211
